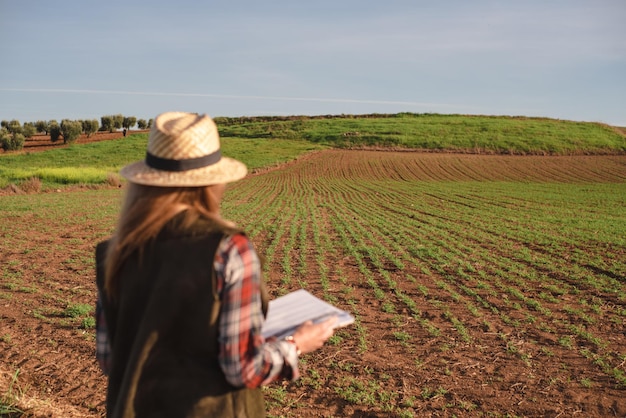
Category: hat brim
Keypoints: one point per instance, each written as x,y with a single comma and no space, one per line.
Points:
226,170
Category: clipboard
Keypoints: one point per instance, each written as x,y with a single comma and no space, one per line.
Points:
286,313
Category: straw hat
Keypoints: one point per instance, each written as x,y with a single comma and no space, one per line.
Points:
184,151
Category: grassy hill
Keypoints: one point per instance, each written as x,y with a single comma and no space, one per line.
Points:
459,133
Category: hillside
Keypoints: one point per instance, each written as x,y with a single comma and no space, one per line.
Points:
429,132
434,132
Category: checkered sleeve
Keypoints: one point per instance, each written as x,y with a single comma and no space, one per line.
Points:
103,346
246,358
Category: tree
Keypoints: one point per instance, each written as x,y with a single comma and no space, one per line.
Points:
90,127
142,124
41,126
71,130
118,121
107,123
55,130
50,123
11,141
29,130
129,122
15,127
112,122
94,123
150,122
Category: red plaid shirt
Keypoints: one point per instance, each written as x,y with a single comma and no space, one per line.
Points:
246,358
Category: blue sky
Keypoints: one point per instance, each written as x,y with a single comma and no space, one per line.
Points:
81,59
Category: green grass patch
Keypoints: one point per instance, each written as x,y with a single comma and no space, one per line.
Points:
93,163
77,310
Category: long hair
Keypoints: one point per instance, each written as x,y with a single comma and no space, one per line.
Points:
145,212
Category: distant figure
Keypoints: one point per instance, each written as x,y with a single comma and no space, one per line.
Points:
181,301
124,132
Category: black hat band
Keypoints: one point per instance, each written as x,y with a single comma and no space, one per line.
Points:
167,164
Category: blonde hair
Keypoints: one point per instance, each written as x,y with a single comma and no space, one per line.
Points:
145,212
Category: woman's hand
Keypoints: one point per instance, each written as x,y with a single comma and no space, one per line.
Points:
309,336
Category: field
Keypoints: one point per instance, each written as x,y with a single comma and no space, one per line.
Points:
483,285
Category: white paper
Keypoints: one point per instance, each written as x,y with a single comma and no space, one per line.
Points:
286,313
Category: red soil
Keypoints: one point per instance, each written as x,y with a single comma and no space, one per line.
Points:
58,375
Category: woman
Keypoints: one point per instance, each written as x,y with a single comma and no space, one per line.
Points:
181,301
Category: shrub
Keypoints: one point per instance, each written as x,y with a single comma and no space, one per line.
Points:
32,185
18,141
29,130
3,134
11,141
12,188
114,180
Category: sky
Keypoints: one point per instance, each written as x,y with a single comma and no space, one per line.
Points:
81,59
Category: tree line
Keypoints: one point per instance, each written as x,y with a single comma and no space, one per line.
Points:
13,133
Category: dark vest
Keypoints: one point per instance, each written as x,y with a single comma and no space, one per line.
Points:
163,329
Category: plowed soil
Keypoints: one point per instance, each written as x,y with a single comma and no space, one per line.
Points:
58,375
